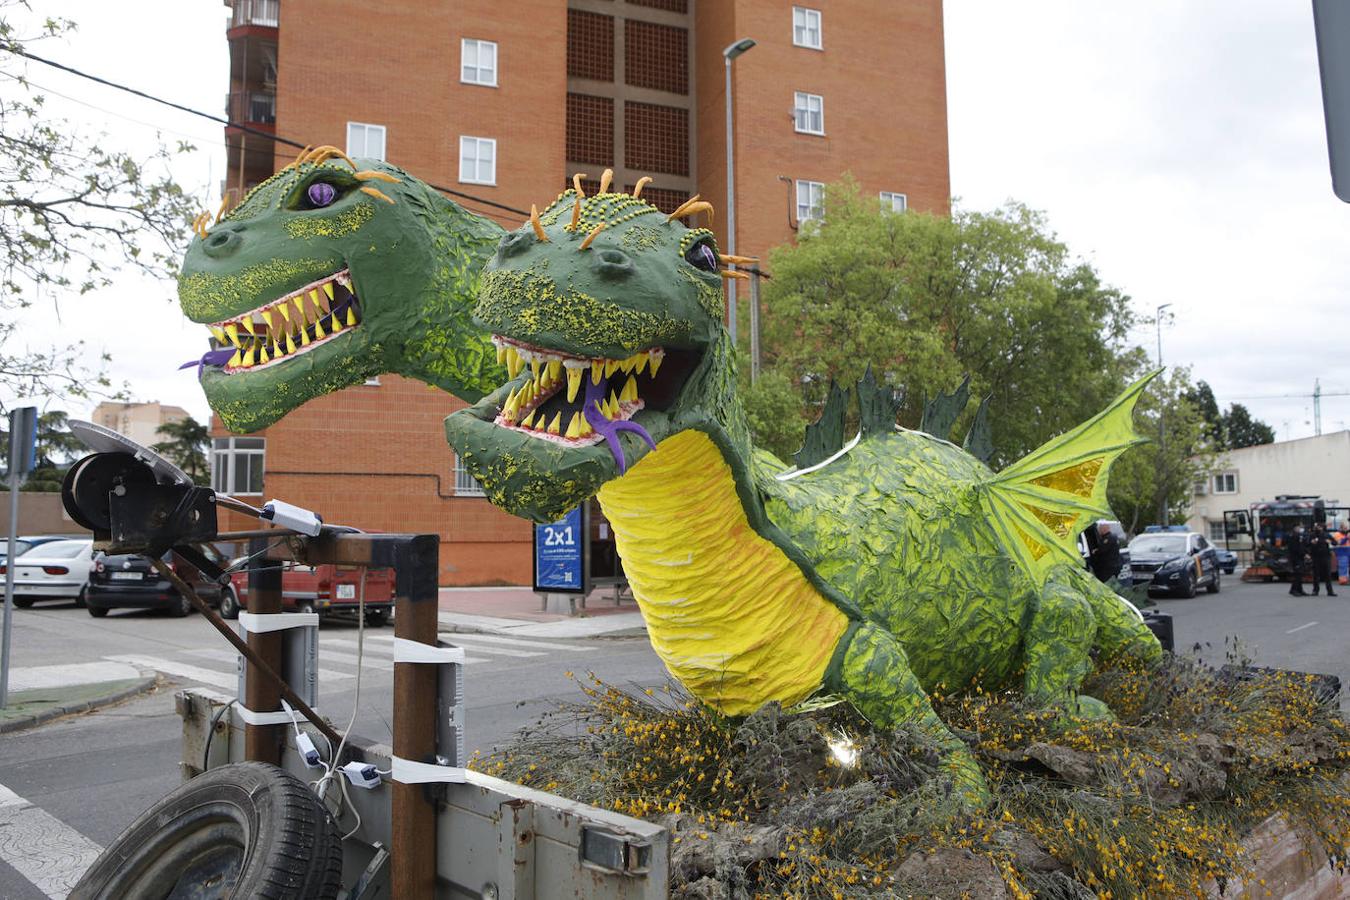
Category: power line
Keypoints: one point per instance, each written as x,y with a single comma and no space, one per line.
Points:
230,124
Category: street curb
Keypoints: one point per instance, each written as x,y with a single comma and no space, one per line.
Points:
140,687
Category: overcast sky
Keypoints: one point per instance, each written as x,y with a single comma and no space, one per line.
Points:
1178,147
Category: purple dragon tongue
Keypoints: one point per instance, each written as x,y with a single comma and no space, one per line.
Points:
210,358
608,428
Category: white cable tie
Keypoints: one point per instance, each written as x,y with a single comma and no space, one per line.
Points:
418,652
259,623
405,771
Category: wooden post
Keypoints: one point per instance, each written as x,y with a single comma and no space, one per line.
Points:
413,851
261,694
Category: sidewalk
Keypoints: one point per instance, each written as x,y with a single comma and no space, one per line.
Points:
38,694
517,610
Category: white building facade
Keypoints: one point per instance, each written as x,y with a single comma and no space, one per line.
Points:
1313,466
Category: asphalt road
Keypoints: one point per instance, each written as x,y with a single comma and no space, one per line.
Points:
88,776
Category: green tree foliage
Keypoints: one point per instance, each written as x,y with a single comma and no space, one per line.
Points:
56,448
1202,398
185,446
1242,430
73,210
926,300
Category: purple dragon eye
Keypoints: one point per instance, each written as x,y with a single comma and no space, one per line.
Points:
702,256
321,193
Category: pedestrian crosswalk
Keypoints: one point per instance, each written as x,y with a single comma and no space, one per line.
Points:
340,657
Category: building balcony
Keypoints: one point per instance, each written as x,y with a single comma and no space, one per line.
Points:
251,108
259,13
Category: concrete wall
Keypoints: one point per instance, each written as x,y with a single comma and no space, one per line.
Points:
39,513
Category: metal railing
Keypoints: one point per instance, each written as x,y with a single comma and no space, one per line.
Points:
256,12
252,107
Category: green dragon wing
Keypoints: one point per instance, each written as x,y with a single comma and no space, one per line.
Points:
1040,503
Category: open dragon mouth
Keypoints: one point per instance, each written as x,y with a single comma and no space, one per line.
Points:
578,401
284,328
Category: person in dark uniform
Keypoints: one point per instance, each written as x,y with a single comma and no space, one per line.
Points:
1319,548
1106,555
1296,550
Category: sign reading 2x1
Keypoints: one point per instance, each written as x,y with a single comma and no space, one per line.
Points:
560,554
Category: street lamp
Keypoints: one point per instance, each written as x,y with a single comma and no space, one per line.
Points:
730,53
1164,517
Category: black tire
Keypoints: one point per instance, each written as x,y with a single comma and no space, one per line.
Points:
180,607
1213,586
80,600
23,602
242,830
97,612
304,606
1188,589
229,605
376,618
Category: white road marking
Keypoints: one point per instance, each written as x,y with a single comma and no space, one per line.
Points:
352,659
387,649
1301,627
182,670
232,658
468,639
42,848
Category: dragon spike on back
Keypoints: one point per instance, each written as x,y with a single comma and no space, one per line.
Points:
595,232
537,225
605,179
576,214
576,183
641,183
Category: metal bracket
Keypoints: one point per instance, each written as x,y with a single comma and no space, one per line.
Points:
617,853
373,882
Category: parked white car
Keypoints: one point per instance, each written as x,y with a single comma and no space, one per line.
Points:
52,571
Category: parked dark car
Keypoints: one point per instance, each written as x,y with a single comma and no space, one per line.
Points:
129,581
1175,562
1227,560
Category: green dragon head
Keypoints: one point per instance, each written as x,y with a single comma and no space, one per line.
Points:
608,314
328,273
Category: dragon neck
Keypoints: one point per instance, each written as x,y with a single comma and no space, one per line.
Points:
732,617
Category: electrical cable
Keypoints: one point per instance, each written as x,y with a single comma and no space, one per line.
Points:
227,122
321,786
211,731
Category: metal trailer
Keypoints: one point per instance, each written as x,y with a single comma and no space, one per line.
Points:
1261,528
430,828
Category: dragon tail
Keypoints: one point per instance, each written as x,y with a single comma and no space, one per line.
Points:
1040,503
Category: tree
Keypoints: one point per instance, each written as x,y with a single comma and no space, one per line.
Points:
72,211
1243,430
188,441
1202,399
54,450
926,300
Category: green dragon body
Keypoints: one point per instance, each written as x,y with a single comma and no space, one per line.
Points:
877,571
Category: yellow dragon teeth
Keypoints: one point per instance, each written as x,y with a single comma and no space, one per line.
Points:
574,426
318,331
501,354
535,365
236,359
573,384
285,311
351,317
554,369
611,366
328,295
655,363
232,330
555,426
218,333
248,325
528,421
597,370
513,362
335,323
248,357
299,302
290,344
304,337
263,357
641,363
629,393
267,317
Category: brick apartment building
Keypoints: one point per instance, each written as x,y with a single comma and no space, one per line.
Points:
504,103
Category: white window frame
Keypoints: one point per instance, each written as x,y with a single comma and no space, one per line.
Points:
363,132
1215,530
465,485
478,144
814,205
802,113
1201,486
1222,478
802,19
889,201
224,451
476,72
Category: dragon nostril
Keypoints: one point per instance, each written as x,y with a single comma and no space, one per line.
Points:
516,243
223,241
611,263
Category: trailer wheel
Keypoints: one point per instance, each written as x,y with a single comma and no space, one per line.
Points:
242,830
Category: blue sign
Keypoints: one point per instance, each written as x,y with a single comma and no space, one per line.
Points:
559,554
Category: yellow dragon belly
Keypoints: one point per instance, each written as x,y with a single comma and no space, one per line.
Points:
732,617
